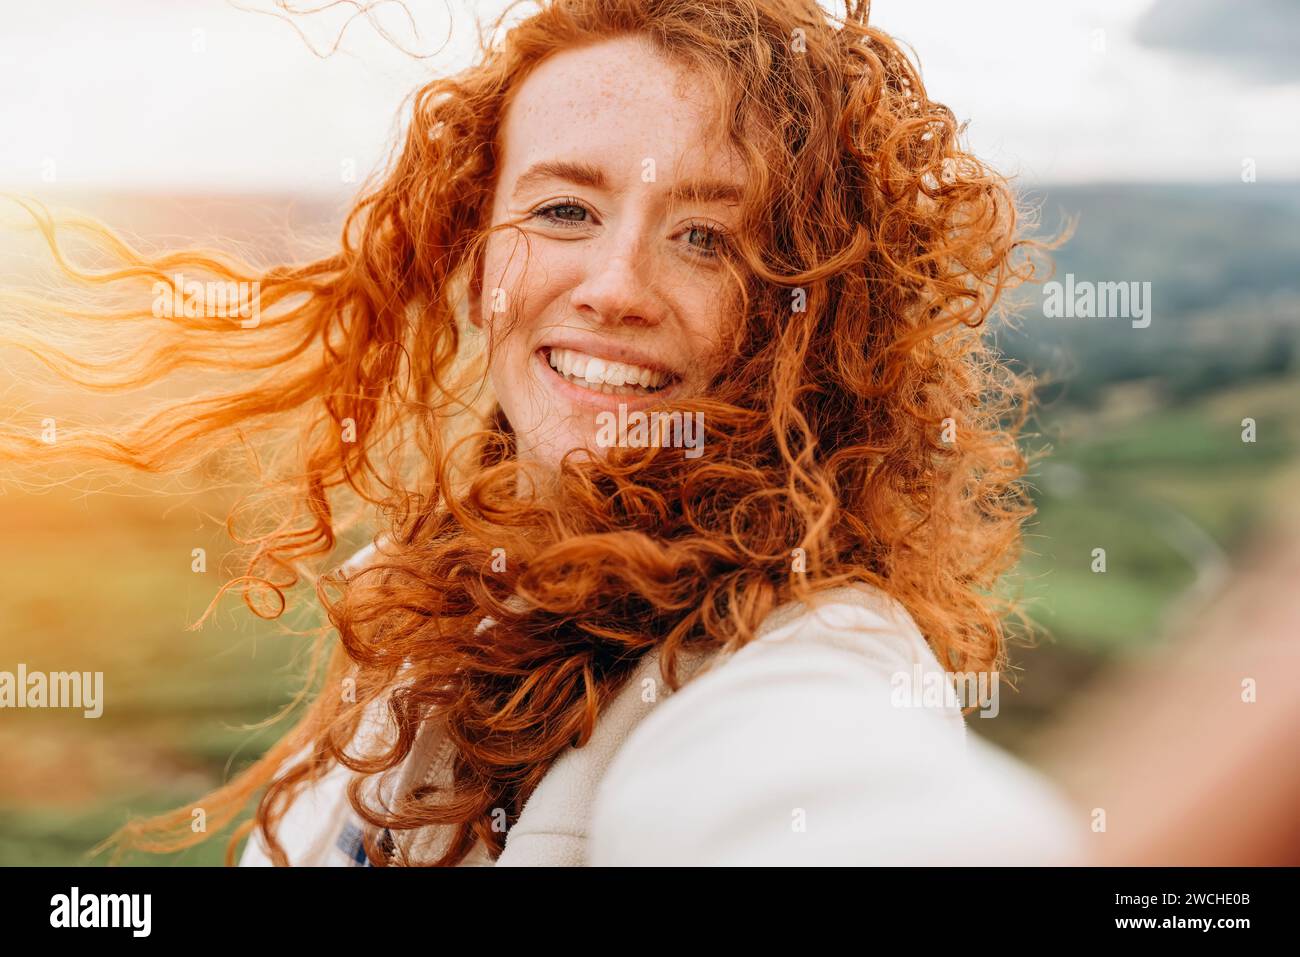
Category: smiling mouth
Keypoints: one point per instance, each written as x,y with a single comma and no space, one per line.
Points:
604,376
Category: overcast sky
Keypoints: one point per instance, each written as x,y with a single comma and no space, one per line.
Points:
208,95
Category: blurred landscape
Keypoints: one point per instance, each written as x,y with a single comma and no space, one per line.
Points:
1142,430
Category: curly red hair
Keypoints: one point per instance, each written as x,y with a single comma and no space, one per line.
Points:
868,430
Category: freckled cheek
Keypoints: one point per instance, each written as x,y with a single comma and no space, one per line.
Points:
703,329
523,286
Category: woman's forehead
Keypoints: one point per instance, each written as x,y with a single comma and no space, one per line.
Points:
615,103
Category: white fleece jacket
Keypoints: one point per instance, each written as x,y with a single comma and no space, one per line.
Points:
794,750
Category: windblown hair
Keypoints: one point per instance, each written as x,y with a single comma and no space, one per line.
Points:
861,428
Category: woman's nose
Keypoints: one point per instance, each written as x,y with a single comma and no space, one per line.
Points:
619,283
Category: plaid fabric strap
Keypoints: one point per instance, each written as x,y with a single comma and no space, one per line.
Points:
352,842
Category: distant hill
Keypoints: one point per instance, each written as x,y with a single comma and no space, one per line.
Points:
1224,266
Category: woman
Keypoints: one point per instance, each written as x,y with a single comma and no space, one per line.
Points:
659,349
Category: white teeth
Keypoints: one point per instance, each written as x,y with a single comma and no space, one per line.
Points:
603,375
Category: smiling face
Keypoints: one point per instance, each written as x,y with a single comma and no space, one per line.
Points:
615,292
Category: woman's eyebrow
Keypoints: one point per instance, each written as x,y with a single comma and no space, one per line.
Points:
587,174
577,172
706,191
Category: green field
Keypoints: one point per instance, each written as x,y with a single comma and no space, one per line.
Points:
103,583
1165,493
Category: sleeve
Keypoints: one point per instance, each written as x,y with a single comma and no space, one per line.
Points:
795,752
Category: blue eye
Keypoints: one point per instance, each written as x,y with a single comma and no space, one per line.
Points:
545,212
715,237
